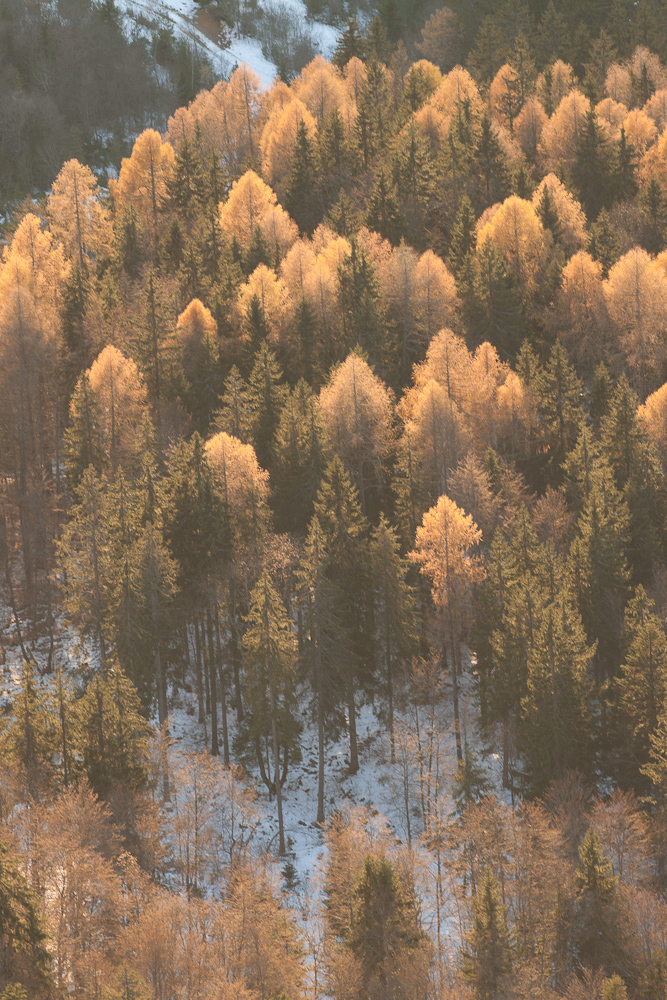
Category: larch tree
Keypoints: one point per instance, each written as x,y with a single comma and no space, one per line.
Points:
279,138
357,414
445,553
76,214
653,416
561,134
519,235
144,177
120,399
580,311
636,296
270,654
196,340
248,201
570,231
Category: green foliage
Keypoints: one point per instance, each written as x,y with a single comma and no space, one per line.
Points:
487,956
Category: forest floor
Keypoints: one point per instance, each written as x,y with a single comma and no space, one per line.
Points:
378,785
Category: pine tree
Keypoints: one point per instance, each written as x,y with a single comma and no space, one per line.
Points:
23,939
593,167
82,442
597,884
642,684
360,301
270,655
234,416
394,609
463,241
29,739
654,209
384,923
342,528
302,201
554,724
624,176
128,250
493,304
383,214
114,734
559,394
349,44
490,165
487,957
299,458
266,397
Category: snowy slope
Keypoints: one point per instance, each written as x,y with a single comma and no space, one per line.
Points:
236,48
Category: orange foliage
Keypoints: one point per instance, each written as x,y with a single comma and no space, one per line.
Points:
321,88
279,136
636,295
640,130
273,298
571,218
618,84
455,86
613,113
529,126
121,395
580,311
656,109
560,135
144,177
653,415
75,213
519,234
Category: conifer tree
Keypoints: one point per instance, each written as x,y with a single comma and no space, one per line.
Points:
342,529
394,609
114,734
29,739
383,214
349,45
554,724
301,195
82,442
559,392
593,168
642,684
597,883
487,958
266,397
234,415
270,657
299,459
463,240
384,923
23,938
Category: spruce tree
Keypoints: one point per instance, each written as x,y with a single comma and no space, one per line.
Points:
299,459
395,617
383,214
83,446
25,963
349,44
487,957
270,654
266,397
302,201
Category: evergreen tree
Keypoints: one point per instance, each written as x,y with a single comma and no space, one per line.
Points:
593,168
114,735
559,396
270,655
342,529
266,398
25,961
383,214
554,725
302,201
603,242
83,446
493,304
624,176
642,684
487,957
29,738
463,241
597,884
299,458
654,210
384,924
234,416
360,301
349,44
394,609
490,166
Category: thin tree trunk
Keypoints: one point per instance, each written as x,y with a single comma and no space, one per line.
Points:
354,753
223,690
215,749
198,674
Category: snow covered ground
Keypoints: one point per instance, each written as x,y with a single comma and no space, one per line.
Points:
233,48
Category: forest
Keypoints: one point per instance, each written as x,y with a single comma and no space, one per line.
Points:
346,398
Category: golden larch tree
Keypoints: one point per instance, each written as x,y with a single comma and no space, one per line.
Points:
571,219
445,551
640,130
144,178
636,296
529,126
357,412
271,293
248,202
75,213
580,311
613,114
653,416
560,137
618,84
518,233
279,138
121,397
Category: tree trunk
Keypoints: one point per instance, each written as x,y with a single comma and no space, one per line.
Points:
223,691
354,754
215,749
198,674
